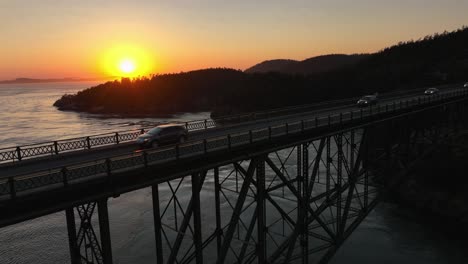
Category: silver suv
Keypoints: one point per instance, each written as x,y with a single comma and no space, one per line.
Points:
163,134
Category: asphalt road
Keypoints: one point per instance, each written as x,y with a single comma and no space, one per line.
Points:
83,156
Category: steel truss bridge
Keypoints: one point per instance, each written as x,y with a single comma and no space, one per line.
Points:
284,191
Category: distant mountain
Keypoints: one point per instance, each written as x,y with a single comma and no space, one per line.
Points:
32,80
272,66
312,65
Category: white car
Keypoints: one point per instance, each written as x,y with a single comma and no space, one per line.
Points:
431,91
465,86
367,100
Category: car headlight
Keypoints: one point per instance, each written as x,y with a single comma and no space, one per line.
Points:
145,139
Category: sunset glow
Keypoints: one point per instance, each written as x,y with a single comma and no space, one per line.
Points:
127,61
174,36
127,66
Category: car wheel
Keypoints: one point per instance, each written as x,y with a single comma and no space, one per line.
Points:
182,139
154,144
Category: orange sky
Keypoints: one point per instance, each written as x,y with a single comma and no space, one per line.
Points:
55,39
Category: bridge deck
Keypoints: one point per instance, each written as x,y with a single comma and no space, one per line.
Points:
35,194
82,156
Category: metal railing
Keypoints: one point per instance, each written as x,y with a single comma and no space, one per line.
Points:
51,148
14,186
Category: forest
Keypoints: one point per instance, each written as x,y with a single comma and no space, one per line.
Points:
432,60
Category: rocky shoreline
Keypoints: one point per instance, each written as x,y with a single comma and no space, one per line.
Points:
67,103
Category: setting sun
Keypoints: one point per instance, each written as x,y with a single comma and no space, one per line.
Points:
127,66
127,61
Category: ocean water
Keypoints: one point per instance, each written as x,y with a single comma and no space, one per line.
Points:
27,115
390,234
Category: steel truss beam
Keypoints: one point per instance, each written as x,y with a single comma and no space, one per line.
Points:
84,244
296,205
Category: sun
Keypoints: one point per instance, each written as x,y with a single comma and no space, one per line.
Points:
127,66
128,61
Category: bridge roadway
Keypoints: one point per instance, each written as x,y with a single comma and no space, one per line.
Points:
86,186
42,192
82,156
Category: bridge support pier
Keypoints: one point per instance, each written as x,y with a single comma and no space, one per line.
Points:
261,244
303,175
105,231
197,236
157,223
84,244
72,240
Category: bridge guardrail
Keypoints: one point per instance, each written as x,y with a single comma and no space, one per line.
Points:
11,187
19,153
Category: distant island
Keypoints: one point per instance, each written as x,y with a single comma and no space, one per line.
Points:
32,80
432,60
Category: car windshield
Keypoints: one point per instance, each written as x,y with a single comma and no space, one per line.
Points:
154,131
367,98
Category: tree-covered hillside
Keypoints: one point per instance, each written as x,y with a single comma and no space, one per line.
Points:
314,65
277,65
437,59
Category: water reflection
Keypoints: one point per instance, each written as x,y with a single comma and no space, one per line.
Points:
27,115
